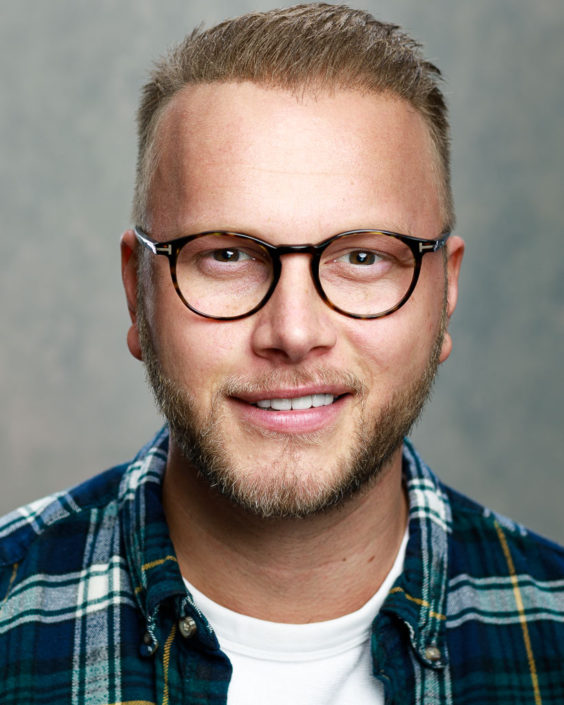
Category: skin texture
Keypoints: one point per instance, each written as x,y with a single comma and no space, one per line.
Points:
290,170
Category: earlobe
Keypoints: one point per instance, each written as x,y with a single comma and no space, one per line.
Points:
446,347
128,247
133,342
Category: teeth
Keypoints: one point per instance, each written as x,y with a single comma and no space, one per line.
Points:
322,399
305,402
281,404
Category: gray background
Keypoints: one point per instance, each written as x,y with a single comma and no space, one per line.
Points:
72,399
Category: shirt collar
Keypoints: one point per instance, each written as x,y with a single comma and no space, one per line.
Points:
418,597
149,551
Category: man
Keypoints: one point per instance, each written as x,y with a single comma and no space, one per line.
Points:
290,280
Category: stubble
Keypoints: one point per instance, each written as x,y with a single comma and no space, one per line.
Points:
284,489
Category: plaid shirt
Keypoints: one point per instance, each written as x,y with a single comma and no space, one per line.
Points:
93,609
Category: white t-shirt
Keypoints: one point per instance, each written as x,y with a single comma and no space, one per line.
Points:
322,663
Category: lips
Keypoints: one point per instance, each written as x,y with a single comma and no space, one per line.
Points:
304,408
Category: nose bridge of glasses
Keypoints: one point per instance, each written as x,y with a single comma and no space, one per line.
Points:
295,249
303,249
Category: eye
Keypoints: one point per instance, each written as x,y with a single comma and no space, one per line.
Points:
359,257
230,255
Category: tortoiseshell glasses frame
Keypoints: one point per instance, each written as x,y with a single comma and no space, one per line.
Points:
171,249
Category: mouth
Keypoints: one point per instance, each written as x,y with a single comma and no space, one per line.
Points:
285,410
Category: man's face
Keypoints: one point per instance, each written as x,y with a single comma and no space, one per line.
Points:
260,161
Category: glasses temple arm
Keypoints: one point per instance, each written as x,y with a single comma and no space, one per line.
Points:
155,247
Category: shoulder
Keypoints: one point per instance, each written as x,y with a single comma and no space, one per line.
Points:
76,536
484,542
472,539
506,584
49,534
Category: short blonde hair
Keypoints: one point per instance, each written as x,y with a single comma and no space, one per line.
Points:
306,47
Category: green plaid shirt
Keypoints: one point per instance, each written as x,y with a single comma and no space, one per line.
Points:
93,609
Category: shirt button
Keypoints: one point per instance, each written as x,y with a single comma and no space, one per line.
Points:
432,653
188,627
149,645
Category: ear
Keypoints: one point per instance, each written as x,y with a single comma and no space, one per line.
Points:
455,252
129,277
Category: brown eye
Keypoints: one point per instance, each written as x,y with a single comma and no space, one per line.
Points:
359,257
228,255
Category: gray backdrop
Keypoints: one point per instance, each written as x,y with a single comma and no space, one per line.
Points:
72,399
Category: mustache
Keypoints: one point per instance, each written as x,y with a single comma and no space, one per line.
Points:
237,385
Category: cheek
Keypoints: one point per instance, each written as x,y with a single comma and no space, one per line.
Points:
393,351
195,352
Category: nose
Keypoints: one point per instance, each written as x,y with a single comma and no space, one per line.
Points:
295,324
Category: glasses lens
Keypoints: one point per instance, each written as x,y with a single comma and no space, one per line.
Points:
366,274
223,275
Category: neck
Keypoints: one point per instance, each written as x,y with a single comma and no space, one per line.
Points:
285,570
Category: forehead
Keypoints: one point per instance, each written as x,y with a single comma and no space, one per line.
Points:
228,151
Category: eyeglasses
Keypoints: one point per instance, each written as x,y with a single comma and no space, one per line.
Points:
359,273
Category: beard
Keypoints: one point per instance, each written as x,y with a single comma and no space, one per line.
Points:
282,488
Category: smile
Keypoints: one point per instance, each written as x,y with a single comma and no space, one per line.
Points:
308,401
